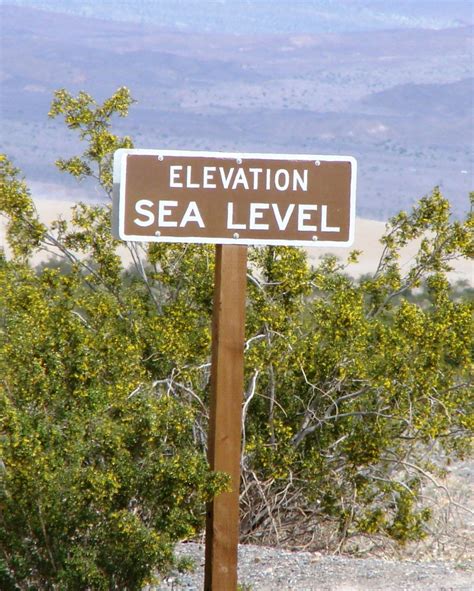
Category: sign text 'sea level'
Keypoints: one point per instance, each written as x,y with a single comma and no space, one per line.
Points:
222,198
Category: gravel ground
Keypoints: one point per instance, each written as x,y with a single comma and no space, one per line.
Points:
271,569
264,568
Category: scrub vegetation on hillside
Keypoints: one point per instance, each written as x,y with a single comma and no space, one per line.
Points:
355,395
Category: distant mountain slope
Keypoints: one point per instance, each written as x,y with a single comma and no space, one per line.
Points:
454,99
396,100
270,16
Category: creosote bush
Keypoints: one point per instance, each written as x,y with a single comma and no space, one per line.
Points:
350,386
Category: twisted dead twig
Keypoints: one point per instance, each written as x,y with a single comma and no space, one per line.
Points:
133,249
432,479
171,384
247,399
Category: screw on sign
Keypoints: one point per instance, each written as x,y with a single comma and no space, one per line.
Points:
231,200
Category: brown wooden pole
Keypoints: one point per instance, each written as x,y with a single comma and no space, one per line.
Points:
224,440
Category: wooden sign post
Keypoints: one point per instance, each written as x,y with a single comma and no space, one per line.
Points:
231,200
224,440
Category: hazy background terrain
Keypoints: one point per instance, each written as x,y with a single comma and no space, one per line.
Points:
389,82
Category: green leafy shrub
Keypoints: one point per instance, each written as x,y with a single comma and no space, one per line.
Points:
350,385
100,471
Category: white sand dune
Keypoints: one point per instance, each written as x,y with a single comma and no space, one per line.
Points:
367,240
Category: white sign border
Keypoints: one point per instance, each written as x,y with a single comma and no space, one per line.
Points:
118,207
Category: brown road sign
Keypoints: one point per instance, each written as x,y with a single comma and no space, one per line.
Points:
231,199
222,198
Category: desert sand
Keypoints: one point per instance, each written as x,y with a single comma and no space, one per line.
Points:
367,240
